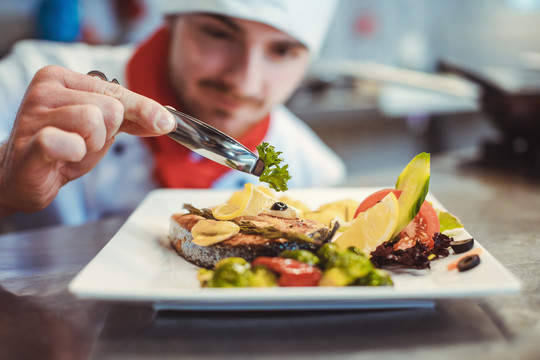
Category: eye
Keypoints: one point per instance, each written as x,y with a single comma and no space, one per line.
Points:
217,33
287,51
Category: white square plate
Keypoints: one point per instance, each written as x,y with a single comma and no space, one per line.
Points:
138,265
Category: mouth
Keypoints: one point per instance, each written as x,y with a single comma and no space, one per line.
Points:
227,102
226,99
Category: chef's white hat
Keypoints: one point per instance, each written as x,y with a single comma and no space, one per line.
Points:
305,20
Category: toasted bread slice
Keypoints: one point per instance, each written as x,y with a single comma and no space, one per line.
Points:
247,246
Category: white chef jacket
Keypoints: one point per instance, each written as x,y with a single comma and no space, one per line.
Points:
124,176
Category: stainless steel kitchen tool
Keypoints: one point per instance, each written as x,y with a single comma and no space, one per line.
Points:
208,141
213,144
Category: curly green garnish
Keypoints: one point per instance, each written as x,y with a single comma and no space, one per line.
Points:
275,175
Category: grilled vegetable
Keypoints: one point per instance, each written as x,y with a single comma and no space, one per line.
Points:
304,256
349,267
231,272
375,277
263,277
290,272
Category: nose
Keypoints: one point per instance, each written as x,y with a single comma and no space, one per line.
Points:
245,72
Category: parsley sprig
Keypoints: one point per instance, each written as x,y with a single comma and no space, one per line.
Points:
275,175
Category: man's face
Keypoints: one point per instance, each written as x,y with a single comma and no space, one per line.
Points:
230,72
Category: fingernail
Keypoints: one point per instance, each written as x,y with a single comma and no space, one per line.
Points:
166,122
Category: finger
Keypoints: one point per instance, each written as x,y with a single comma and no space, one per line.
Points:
145,112
74,170
85,120
52,144
37,167
52,95
49,160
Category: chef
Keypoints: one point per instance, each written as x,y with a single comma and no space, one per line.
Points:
69,154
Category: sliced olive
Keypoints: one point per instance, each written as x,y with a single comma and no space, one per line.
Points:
279,206
468,262
462,245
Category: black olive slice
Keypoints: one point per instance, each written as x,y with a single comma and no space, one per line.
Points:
279,206
462,246
468,262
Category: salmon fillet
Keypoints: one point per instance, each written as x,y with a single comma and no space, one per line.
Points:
247,246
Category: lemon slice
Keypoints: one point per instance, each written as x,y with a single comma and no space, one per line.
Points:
250,201
372,227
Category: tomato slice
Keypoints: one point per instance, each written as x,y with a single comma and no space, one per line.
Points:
374,199
422,228
291,272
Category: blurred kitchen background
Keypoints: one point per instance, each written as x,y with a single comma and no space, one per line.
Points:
396,77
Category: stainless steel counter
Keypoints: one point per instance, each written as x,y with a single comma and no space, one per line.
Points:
39,319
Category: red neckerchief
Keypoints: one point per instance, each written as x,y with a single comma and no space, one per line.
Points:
176,166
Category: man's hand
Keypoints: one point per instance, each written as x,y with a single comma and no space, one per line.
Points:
66,123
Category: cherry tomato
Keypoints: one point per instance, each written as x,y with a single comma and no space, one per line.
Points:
291,272
422,228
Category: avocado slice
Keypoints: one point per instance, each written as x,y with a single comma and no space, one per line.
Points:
414,184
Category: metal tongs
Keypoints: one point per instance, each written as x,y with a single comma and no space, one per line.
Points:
208,141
